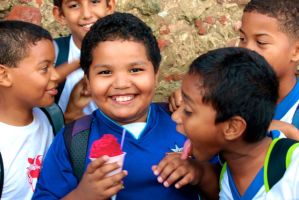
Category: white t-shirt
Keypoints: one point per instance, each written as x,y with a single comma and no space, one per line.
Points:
286,188
23,149
72,79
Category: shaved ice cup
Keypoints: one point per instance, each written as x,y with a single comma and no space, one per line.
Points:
118,159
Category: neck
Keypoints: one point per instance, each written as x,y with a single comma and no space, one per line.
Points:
285,87
14,114
245,160
77,42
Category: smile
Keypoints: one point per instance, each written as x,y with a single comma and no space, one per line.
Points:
122,99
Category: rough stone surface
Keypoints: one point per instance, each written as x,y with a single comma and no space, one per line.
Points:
184,28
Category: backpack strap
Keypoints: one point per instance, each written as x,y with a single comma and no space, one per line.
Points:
277,160
63,44
295,120
55,116
1,175
76,136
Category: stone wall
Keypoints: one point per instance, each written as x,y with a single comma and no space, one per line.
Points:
184,28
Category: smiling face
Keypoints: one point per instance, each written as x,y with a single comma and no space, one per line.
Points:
262,34
80,15
198,121
122,80
34,80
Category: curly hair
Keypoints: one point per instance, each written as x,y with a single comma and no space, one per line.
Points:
285,11
16,37
119,26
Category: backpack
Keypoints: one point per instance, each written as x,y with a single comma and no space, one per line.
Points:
63,44
56,119
277,160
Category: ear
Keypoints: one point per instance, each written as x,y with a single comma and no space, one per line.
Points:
295,54
5,77
58,14
234,128
110,6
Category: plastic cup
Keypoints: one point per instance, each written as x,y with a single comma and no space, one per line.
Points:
118,159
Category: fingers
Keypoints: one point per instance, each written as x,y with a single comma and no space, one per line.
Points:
175,100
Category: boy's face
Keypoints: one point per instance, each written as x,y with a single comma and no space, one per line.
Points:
198,121
34,80
122,80
262,34
80,15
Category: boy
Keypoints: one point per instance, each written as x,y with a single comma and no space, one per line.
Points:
79,16
120,58
229,97
271,28
27,80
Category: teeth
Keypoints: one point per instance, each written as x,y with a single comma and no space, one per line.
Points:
123,98
87,25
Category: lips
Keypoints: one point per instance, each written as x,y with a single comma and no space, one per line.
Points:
52,91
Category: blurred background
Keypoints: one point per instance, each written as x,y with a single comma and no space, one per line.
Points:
184,28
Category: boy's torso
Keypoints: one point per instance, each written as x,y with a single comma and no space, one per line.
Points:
22,150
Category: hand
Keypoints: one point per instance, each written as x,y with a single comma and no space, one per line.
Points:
175,100
79,99
289,130
172,169
96,185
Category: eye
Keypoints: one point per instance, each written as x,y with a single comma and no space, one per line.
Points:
95,1
261,42
73,4
45,69
135,70
187,113
105,72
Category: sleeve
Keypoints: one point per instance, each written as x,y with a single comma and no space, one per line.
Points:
56,179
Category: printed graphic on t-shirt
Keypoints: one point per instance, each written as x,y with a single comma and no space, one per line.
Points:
33,170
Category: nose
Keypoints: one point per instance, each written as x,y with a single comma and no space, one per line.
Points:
54,75
177,118
121,81
86,11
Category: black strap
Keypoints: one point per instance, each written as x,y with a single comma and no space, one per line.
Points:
55,116
277,160
295,120
76,137
63,44
1,175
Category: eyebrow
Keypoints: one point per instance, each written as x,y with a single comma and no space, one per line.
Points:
130,64
260,34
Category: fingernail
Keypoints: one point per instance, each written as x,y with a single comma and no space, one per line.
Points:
160,179
156,172
105,157
166,184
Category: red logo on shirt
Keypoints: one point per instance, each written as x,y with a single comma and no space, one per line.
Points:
33,170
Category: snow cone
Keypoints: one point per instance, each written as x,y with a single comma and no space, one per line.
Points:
108,145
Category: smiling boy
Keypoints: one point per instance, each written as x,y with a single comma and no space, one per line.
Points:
121,58
28,80
78,16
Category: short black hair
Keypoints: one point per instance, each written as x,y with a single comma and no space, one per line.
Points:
238,82
285,11
58,3
16,37
119,26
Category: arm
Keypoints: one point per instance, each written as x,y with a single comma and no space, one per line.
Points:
175,100
174,170
65,69
289,130
79,99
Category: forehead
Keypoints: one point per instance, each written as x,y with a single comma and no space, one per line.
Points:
253,21
192,89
